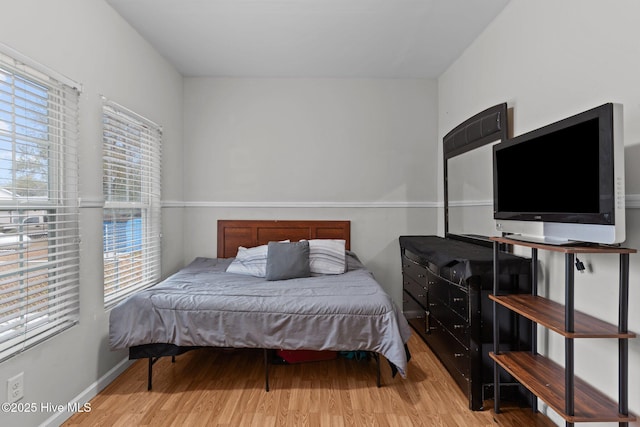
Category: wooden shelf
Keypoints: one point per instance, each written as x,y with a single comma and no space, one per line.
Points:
551,314
580,249
545,379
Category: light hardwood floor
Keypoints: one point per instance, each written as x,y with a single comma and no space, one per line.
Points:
214,387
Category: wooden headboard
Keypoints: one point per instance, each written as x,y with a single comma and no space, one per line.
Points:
249,233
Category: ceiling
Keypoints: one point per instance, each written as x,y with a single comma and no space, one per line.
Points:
310,38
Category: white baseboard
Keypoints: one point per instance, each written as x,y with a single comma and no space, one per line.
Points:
87,394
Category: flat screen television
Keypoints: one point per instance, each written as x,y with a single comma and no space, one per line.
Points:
563,183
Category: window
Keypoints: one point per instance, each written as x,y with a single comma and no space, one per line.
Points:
131,187
39,236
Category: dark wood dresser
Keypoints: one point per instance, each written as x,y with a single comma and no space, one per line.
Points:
446,287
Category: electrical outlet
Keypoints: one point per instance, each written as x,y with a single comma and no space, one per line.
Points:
15,388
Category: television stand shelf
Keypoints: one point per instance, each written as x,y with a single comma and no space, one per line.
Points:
572,398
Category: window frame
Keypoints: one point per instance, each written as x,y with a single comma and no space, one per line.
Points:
41,300
130,141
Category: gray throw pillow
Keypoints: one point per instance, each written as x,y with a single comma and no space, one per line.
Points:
287,260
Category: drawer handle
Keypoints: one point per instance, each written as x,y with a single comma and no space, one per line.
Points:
458,326
458,299
432,283
421,296
458,355
432,304
421,276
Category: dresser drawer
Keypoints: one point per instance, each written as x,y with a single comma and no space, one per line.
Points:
451,321
418,291
438,289
459,301
415,314
414,270
450,295
453,355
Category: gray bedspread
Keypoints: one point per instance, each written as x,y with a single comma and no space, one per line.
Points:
203,305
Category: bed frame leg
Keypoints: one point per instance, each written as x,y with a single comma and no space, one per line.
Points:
153,360
377,357
150,373
266,370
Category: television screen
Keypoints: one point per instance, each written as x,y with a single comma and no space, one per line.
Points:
553,173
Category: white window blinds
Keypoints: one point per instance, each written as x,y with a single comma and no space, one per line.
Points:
39,235
131,187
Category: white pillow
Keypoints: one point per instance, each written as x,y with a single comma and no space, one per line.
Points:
250,261
327,256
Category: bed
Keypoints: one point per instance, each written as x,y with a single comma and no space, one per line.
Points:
204,305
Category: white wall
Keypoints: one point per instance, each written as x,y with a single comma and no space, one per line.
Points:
549,60
356,149
88,42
